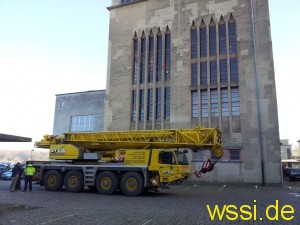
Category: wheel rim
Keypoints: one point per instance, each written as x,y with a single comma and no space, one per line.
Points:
52,180
106,183
73,181
131,184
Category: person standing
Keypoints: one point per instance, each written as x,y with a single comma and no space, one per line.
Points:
16,174
18,185
29,172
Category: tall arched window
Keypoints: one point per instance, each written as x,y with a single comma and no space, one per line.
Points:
159,58
212,39
168,55
194,44
158,104
203,40
223,71
167,103
151,58
194,55
135,59
150,105
195,112
143,60
232,35
150,102
133,106
222,37
141,105
213,72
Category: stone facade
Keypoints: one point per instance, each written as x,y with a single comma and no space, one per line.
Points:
253,130
82,105
286,149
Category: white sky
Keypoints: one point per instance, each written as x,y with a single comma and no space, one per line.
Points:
60,46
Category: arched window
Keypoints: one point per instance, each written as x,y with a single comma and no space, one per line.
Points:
212,38
141,105
222,37
168,55
159,58
232,35
135,59
194,55
133,106
150,105
194,44
167,103
143,60
158,104
151,58
203,40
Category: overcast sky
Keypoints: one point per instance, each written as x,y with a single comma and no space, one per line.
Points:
49,47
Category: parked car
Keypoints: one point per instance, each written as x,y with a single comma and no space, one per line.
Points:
6,175
294,174
2,170
287,171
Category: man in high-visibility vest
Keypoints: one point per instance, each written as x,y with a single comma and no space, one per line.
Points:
29,172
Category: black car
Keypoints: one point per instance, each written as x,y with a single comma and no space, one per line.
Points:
294,174
287,171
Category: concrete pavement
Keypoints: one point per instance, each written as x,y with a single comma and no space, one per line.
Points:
182,204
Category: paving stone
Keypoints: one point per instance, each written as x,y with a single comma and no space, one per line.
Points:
182,204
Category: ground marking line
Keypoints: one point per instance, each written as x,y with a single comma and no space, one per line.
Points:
50,221
147,222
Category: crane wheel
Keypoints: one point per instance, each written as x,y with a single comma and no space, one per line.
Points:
53,180
107,183
74,181
132,184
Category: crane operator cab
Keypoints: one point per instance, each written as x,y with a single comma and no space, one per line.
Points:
173,166
168,158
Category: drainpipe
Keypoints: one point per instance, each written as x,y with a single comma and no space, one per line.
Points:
257,98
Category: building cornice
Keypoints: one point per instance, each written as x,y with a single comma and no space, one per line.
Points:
81,92
125,4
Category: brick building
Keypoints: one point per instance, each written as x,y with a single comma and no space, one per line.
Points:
181,64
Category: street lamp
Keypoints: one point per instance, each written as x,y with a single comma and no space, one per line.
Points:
32,150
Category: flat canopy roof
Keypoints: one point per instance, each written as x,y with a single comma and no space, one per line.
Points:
290,160
12,138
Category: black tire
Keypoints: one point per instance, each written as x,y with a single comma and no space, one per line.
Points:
74,181
107,183
132,184
53,180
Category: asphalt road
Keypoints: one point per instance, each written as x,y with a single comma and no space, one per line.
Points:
182,204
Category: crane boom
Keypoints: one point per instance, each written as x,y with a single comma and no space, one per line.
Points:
198,138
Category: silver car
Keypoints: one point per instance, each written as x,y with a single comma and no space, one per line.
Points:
6,175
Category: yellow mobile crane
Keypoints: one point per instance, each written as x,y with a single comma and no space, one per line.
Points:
132,161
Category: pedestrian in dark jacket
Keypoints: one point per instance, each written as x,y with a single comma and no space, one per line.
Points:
16,175
18,185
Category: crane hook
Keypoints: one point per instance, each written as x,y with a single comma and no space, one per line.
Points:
207,166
